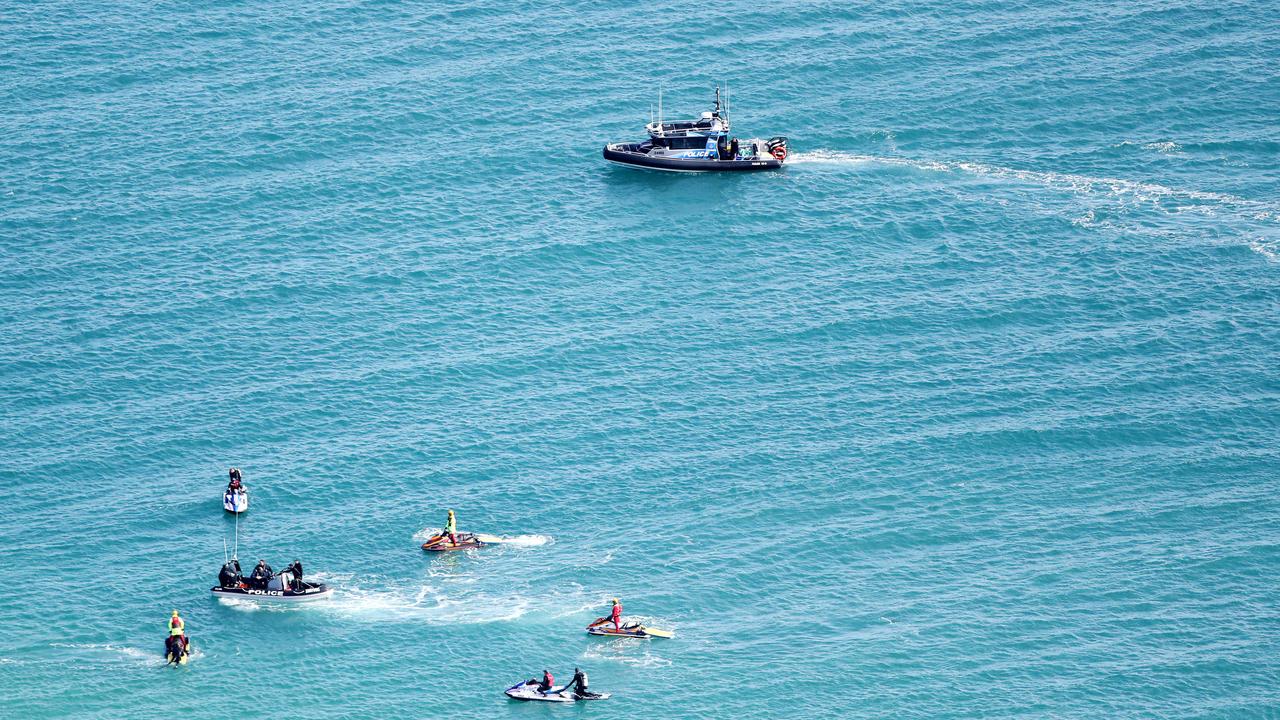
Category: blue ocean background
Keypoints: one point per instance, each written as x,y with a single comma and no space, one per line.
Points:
969,412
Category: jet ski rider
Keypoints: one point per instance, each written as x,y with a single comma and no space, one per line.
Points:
234,485
177,628
548,681
451,528
616,615
176,643
262,575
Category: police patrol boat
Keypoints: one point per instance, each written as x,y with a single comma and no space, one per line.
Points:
281,586
700,145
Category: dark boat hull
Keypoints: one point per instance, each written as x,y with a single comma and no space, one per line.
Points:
312,591
642,160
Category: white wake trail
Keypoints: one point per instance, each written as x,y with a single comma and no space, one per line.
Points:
1078,184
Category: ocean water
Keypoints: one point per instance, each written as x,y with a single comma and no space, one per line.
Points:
969,412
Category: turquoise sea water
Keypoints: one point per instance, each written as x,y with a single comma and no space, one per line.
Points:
971,411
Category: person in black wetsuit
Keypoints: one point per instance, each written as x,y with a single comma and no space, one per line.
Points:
579,683
262,575
296,570
229,576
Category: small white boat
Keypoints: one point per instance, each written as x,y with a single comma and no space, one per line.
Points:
235,501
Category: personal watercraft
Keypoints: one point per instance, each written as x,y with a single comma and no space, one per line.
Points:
465,541
604,628
235,501
699,145
280,587
528,690
177,649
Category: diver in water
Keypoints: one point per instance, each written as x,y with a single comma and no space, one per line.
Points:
296,570
262,575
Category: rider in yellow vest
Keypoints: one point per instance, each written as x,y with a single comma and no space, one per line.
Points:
451,528
176,625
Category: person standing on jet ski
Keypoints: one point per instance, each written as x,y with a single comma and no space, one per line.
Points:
296,570
262,575
451,528
176,644
616,615
177,627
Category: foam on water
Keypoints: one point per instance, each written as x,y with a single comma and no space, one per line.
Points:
1079,184
110,652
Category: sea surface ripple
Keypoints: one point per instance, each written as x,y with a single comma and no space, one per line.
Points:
970,411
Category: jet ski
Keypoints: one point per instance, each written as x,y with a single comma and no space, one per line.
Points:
440,543
235,501
630,630
528,690
280,587
177,649
236,498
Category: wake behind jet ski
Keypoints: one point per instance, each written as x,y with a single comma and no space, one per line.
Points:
700,145
265,584
236,497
